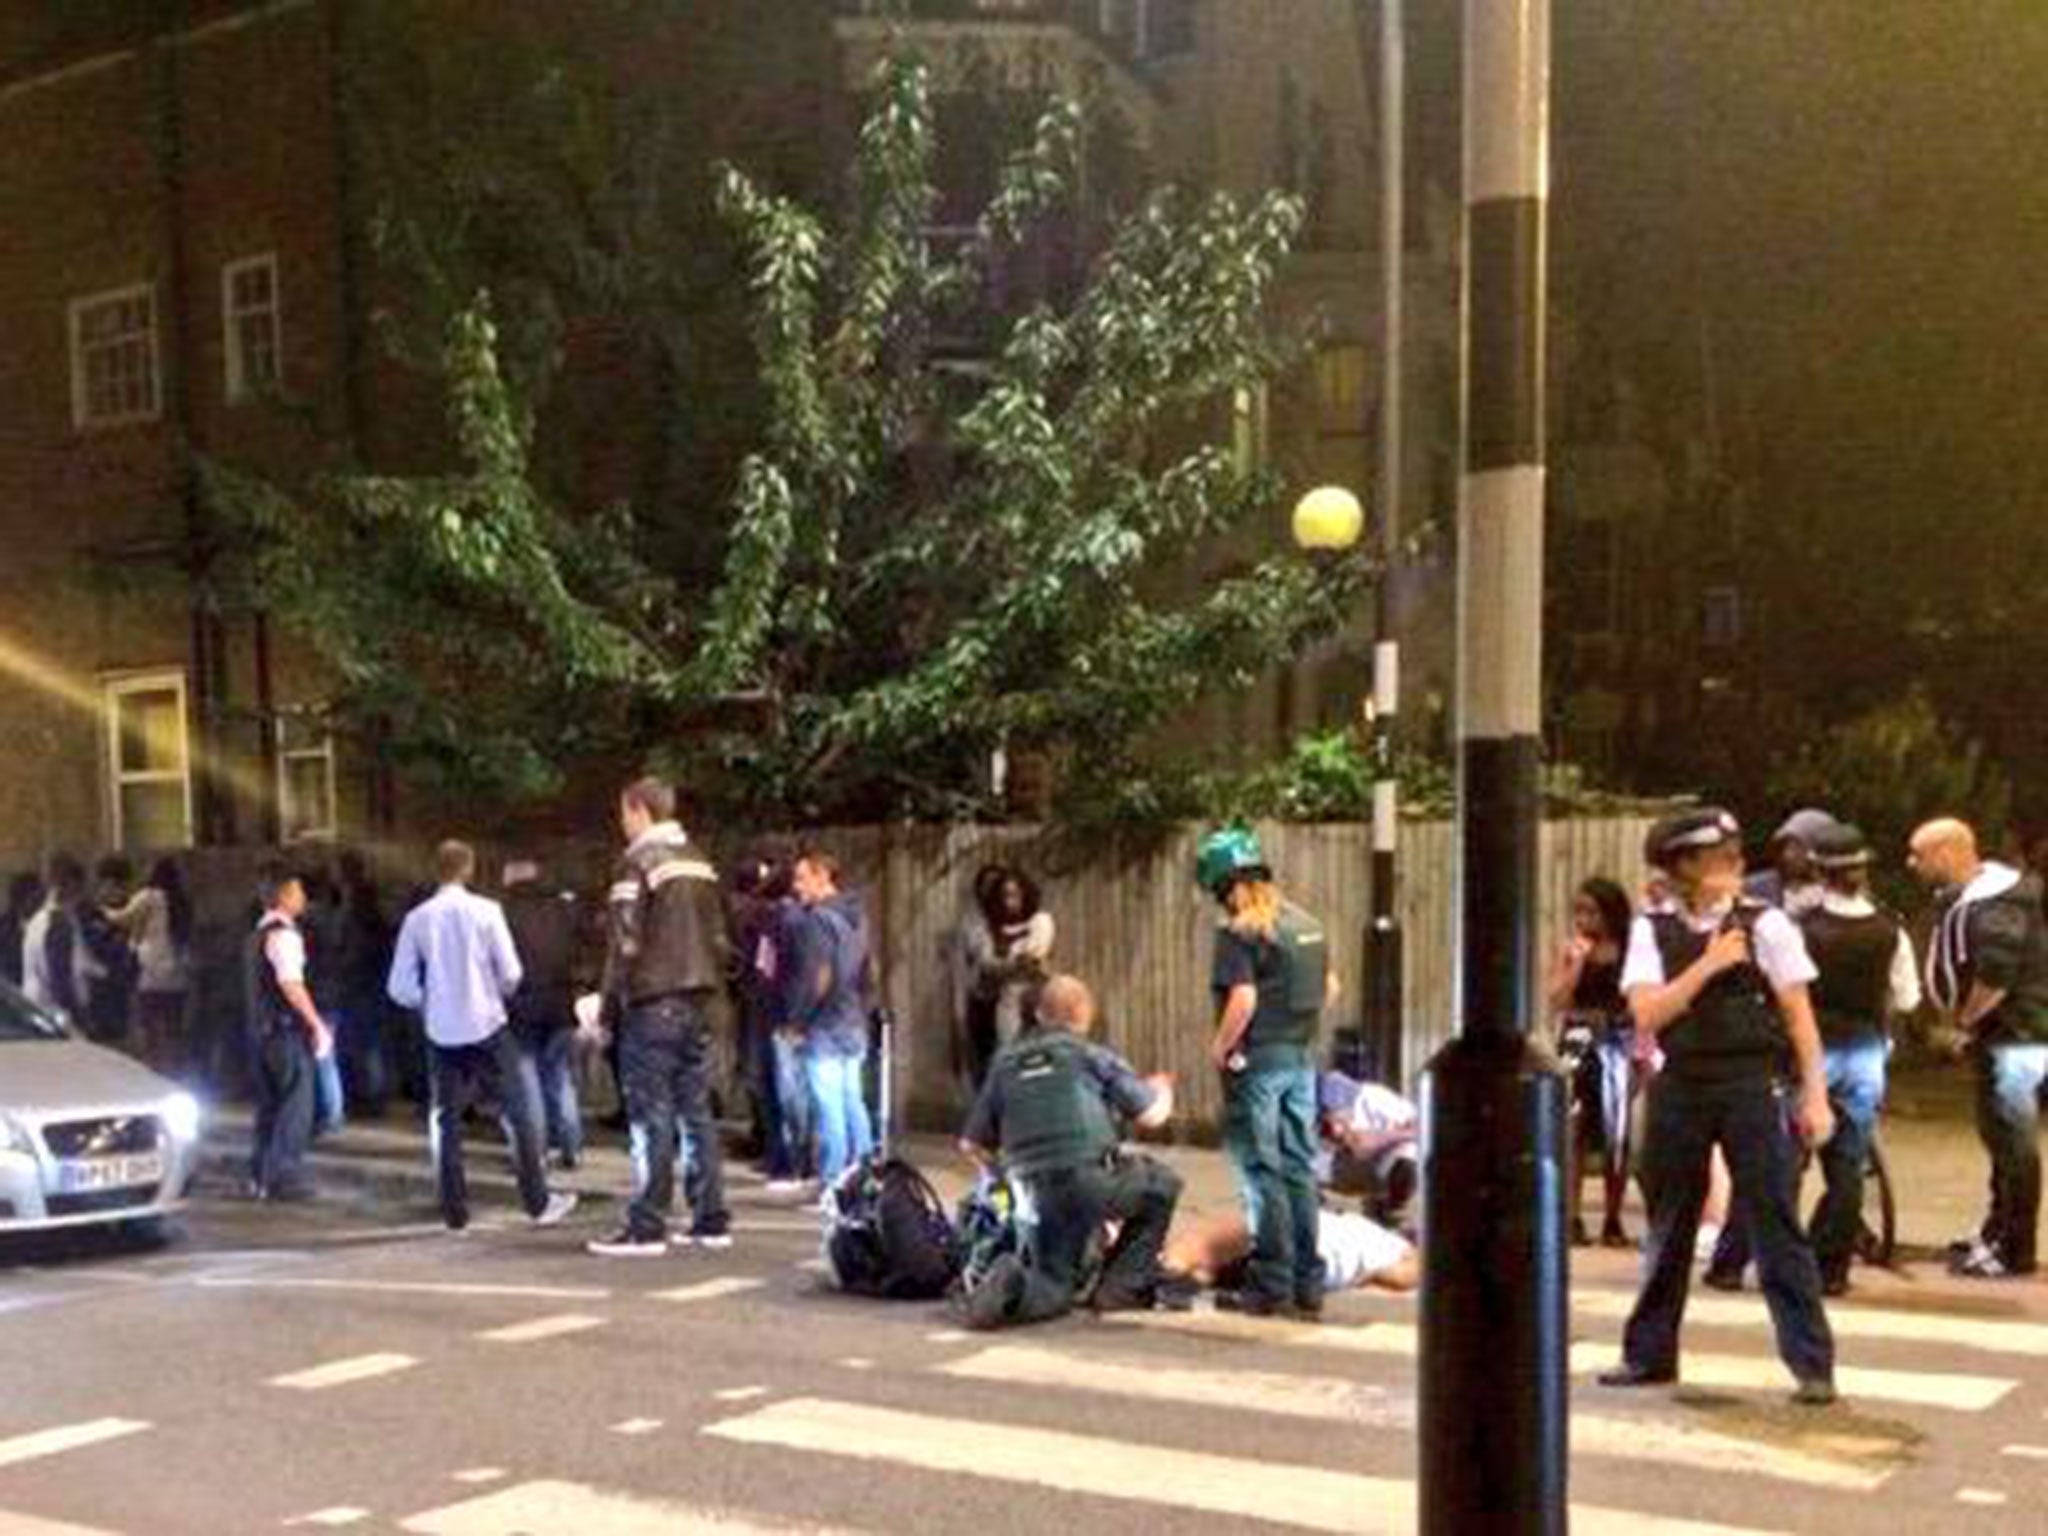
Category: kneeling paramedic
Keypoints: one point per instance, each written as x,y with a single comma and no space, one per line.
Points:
1049,1108
1721,981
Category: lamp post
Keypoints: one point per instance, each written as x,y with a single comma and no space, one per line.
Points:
1494,1340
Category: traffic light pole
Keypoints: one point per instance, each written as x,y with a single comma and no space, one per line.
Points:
1494,1340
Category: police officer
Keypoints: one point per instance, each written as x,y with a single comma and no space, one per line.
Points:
1271,978
1867,976
286,1037
1721,981
1049,1109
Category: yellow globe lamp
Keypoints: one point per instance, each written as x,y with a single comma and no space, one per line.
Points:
1328,520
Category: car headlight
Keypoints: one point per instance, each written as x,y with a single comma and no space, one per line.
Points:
14,1136
181,1117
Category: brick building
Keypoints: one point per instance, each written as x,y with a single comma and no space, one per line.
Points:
186,273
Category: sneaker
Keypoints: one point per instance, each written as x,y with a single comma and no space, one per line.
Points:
1176,1293
1627,1375
1707,1241
717,1239
1581,1238
1252,1304
1615,1235
992,1303
569,1162
559,1205
1815,1392
1308,1306
1720,1279
1981,1263
784,1187
626,1244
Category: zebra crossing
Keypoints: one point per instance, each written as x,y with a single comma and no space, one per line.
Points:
1126,1416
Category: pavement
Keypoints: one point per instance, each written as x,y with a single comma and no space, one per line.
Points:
351,1366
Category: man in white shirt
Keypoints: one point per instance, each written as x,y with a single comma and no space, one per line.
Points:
457,967
286,1037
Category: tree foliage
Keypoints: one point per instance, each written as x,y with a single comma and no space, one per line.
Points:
901,621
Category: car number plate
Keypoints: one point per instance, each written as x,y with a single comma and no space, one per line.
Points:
108,1173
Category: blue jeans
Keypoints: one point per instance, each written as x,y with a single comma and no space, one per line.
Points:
1269,1130
839,1107
468,1075
544,1068
793,1095
1855,1073
665,1066
330,1101
2010,1078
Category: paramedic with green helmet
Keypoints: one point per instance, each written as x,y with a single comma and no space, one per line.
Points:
1271,978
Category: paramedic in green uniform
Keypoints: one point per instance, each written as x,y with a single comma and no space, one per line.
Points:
1272,979
1052,1105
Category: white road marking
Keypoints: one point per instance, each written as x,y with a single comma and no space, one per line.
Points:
543,1328
66,1437
340,1515
406,1287
572,1509
1984,1496
740,1394
858,1363
2026,1452
479,1475
637,1427
1983,1335
1366,1406
339,1373
813,1266
949,1336
1313,1498
710,1290
29,1525
1925,1389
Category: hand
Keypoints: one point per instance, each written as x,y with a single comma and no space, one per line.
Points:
589,1011
1952,1041
323,1040
1159,1082
1815,1118
1728,949
1578,950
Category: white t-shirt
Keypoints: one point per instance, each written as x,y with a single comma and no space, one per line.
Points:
1354,1248
1779,946
1905,972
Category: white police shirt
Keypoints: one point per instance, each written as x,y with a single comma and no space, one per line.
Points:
1778,945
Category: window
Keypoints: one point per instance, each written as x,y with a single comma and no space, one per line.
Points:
114,357
1148,29
305,781
1720,617
1340,391
149,761
253,336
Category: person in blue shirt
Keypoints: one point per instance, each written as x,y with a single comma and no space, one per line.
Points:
456,965
826,993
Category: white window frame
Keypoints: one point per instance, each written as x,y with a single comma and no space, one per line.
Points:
112,691
81,415
329,828
235,362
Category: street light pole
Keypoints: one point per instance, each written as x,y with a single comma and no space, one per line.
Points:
1382,949
1493,1339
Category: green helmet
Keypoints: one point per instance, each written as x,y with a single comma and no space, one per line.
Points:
1227,855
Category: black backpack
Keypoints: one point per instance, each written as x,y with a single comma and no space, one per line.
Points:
887,1234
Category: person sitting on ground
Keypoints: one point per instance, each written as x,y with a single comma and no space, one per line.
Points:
1370,1136
1358,1253
1048,1111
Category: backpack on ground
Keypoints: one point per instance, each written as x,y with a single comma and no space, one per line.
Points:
887,1234
988,1224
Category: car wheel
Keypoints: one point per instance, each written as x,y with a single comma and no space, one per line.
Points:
150,1232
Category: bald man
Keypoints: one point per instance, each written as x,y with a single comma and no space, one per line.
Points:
1987,970
1051,1109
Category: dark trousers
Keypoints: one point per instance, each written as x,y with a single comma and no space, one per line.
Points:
1269,1130
1746,1118
467,1076
2010,1078
1070,1208
665,1070
281,1060
777,1160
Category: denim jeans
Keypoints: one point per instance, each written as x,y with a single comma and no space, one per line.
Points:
546,1067
793,1095
1269,1130
1855,1073
1746,1119
281,1072
665,1069
2010,1078
330,1101
764,1076
839,1108
468,1075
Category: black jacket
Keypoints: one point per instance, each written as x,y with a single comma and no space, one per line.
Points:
666,922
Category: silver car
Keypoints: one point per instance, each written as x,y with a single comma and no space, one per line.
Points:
87,1136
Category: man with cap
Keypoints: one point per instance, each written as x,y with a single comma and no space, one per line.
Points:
1987,969
1868,976
1050,1107
1271,978
1721,981
1789,879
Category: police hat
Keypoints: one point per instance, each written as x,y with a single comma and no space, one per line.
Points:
1675,836
1808,826
1841,846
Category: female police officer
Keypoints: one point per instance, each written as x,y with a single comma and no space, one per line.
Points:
1271,978
1721,981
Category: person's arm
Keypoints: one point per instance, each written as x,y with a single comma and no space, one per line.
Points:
1565,972
1239,1004
285,953
1147,1102
982,1133
1037,942
505,961
60,952
1657,1006
131,915
1814,1116
1982,1002
1905,996
404,985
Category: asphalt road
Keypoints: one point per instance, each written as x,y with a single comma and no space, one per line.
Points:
358,1369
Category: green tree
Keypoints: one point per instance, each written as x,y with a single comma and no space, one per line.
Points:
897,626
